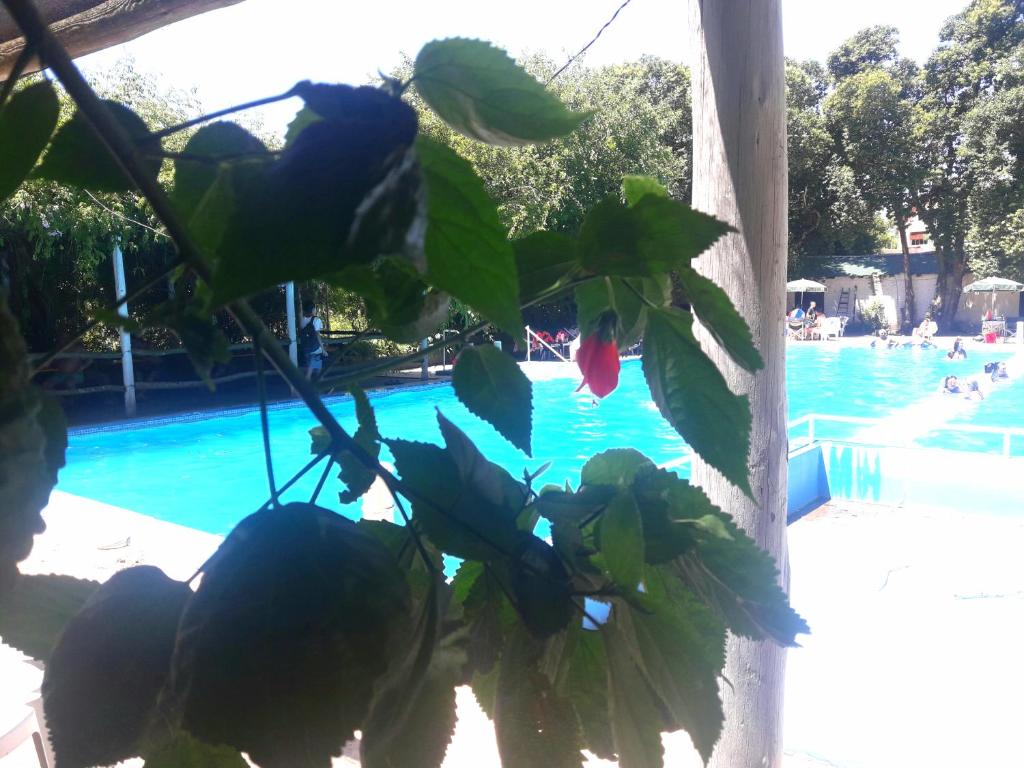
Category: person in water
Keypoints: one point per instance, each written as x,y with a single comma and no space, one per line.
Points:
957,352
951,386
997,371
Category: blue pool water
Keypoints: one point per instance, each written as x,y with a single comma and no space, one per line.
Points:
208,472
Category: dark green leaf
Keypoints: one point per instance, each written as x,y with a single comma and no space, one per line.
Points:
653,237
34,612
26,123
77,157
398,301
716,312
586,686
534,725
204,341
574,508
669,507
271,658
492,386
344,192
109,665
633,707
544,261
487,612
681,648
636,187
183,751
196,171
114,319
739,579
468,253
540,587
481,92
616,466
354,473
693,396
623,297
620,538
492,482
303,117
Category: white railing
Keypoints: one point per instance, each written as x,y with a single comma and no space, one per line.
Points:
530,334
1007,433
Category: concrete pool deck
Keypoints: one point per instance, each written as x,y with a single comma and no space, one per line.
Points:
915,660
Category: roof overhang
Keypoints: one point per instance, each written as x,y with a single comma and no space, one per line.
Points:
87,26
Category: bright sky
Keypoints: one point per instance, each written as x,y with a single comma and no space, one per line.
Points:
261,47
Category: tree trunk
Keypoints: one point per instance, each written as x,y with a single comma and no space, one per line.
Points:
948,286
908,303
739,162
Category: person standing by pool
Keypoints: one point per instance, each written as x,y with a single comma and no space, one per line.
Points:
311,349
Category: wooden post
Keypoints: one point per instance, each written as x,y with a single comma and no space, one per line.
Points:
739,175
127,364
425,363
293,344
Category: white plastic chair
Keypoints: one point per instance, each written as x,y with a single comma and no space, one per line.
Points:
832,328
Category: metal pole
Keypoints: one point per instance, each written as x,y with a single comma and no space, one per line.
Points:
425,363
293,345
127,365
528,343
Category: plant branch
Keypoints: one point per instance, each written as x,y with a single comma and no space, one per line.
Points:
219,113
16,71
261,386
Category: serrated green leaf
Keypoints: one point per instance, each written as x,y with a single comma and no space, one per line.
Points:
620,538
681,648
109,665
481,92
616,466
693,396
467,248
534,725
285,585
623,297
77,157
356,476
669,507
653,237
544,260
540,587
636,187
491,385
26,124
716,312
633,707
34,612
585,684
196,170
183,751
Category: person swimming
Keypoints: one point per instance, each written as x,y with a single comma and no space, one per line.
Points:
951,386
997,371
957,352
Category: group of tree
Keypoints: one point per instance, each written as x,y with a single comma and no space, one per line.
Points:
872,131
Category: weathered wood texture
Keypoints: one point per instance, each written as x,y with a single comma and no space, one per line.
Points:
739,175
86,26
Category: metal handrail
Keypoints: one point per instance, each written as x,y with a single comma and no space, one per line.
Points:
1007,433
555,352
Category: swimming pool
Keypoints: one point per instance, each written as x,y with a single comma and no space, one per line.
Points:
207,471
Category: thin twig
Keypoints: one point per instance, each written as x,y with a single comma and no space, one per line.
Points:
261,386
295,478
112,212
320,482
592,41
219,113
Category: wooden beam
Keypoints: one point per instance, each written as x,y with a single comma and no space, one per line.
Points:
87,26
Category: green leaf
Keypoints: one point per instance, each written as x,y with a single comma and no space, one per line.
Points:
636,187
534,725
620,537
345,192
633,707
492,386
481,92
544,260
114,319
586,686
34,612
541,588
616,466
26,124
212,143
468,252
623,297
681,648
303,117
693,396
77,157
398,301
194,326
716,312
354,474
487,613
653,237
670,508
107,670
270,658
183,751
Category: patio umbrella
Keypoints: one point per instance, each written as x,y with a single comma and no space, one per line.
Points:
801,286
994,285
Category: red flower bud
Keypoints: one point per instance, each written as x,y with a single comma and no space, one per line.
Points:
599,362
